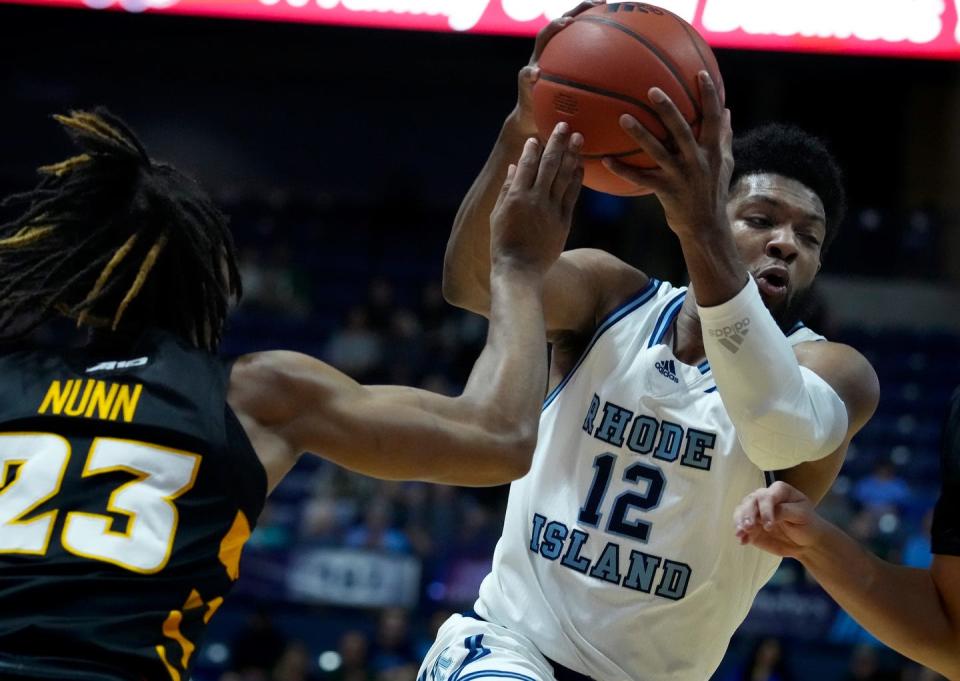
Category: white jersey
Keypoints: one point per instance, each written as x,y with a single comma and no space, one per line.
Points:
618,557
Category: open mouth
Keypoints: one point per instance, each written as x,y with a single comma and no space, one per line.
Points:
772,283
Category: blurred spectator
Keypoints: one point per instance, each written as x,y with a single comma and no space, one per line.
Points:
353,649
278,286
295,664
916,549
406,672
321,528
380,305
416,518
865,666
404,348
438,383
393,647
378,530
434,312
272,532
356,349
765,663
883,490
257,649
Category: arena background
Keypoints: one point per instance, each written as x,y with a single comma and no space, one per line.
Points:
341,155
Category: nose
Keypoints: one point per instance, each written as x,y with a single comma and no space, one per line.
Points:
783,245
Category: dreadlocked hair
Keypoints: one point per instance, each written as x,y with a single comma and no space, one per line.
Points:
116,241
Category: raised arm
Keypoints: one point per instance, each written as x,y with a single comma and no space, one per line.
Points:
583,285
290,403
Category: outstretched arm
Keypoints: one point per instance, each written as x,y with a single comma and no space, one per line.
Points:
916,612
291,403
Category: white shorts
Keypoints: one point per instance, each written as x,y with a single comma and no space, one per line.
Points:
469,649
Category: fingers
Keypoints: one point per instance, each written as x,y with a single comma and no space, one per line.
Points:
526,79
571,161
778,503
505,188
553,157
713,111
652,179
571,195
748,536
792,505
557,25
673,121
747,515
783,492
646,139
583,7
796,513
546,34
526,173
767,507
554,173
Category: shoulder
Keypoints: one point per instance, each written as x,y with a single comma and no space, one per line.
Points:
847,371
612,280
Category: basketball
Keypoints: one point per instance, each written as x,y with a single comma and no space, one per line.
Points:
603,65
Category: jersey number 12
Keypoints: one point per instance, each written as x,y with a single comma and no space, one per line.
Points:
618,524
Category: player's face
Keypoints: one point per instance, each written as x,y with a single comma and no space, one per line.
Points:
779,225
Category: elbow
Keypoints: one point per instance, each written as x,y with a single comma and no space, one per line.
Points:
454,288
462,290
524,445
513,456
783,435
452,291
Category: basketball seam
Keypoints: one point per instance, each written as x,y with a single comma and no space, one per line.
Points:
686,27
598,91
656,52
618,154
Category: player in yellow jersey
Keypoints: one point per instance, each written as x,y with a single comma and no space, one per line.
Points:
133,469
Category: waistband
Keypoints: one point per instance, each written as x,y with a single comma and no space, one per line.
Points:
560,673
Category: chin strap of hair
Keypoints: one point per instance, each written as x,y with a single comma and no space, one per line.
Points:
784,413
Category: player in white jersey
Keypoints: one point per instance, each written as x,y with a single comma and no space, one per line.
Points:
667,405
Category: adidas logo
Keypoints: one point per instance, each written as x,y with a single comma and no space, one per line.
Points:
668,369
732,337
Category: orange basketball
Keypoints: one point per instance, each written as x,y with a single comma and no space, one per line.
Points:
603,65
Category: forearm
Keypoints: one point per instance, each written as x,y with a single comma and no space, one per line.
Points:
466,264
717,272
510,376
784,414
899,605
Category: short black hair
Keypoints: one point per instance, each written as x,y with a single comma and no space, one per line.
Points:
787,150
116,240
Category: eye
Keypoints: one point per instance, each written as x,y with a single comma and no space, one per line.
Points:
810,239
758,221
